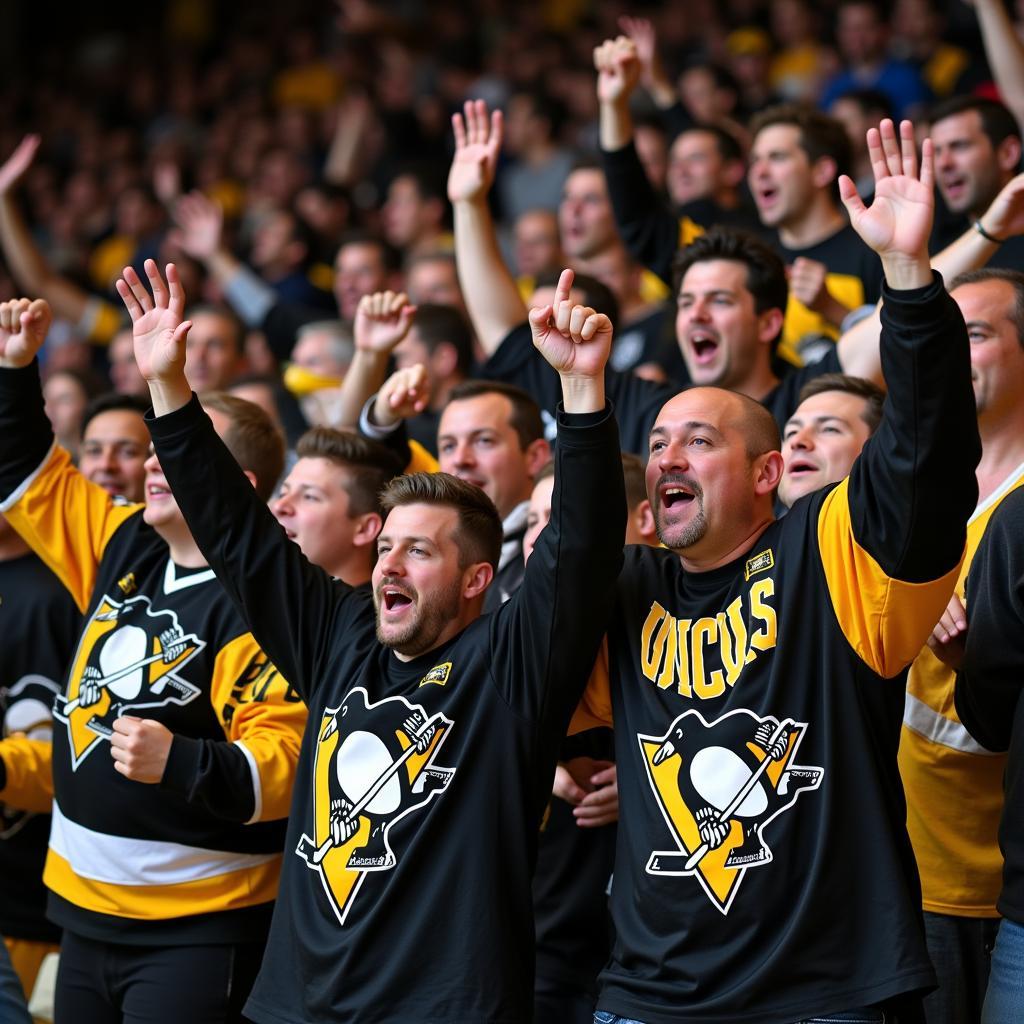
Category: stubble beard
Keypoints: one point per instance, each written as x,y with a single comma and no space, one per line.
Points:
689,534
426,624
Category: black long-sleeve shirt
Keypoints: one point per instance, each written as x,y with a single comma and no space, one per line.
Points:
763,870
424,911
991,677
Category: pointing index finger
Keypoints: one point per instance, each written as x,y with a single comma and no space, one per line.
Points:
564,287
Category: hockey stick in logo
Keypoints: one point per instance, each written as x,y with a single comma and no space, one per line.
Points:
313,854
127,670
723,816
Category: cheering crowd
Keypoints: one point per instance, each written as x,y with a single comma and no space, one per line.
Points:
484,538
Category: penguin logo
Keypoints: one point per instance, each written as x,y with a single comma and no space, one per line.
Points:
718,786
374,765
128,658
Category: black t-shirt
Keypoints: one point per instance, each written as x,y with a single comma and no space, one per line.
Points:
405,891
854,278
991,677
640,342
783,399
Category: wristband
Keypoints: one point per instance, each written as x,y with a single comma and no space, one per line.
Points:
984,234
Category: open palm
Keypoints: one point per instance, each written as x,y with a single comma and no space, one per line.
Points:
157,325
899,220
477,145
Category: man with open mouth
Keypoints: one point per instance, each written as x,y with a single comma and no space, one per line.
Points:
824,436
433,729
756,676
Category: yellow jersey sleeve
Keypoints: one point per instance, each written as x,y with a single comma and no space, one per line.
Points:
29,767
67,521
264,717
886,621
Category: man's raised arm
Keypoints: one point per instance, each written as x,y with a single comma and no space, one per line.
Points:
287,603
492,297
911,492
547,636
646,224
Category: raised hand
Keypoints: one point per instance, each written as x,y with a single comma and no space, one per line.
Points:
405,394
23,327
477,145
157,325
618,69
652,74
18,162
382,320
200,225
899,220
574,339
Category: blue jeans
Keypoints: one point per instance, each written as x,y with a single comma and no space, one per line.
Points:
12,1001
1004,1001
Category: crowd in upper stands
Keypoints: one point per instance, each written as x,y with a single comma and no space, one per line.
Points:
363,201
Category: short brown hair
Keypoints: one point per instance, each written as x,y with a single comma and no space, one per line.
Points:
369,465
873,395
525,420
820,135
252,439
479,534
766,273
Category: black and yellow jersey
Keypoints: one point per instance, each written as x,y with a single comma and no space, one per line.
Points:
421,785
763,871
954,785
39,624
196,857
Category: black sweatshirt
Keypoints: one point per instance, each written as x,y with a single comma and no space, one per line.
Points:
783,671
423,912
989,683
